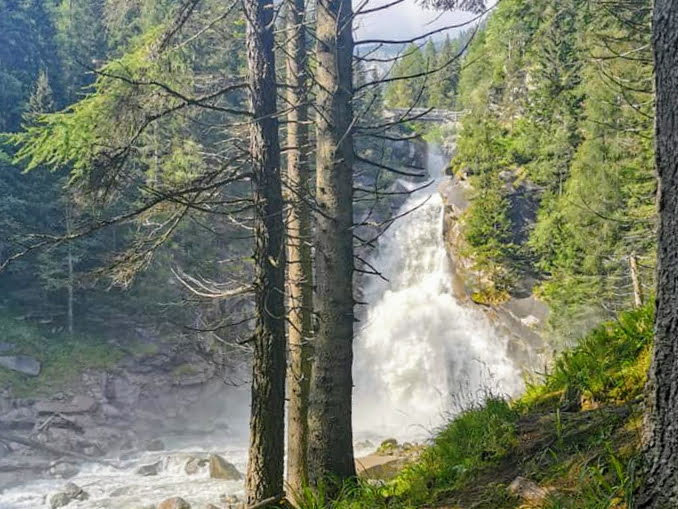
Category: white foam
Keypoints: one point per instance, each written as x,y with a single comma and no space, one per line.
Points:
420,354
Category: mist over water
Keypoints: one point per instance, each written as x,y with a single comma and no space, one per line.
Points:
421,355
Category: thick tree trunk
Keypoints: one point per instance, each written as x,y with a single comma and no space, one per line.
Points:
266,453
330,433
660,490
299,262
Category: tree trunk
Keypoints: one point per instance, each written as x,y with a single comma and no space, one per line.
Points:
635,281
266,453
330,433
69,260
299,262
660,490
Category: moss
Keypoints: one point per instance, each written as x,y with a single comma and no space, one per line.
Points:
490,296
63,357
184,370
143,349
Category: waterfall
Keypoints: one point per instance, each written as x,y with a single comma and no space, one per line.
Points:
420,354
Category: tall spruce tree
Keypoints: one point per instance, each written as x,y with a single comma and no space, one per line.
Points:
299,241
330,432
266,452
660,490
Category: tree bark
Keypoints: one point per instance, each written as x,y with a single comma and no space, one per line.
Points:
330,432
660,490
264,477
299,258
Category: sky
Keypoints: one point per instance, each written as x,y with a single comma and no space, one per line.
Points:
403,21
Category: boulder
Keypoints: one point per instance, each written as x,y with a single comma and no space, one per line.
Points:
174,503
377,466
78,405
63,470
528,490
70,493
151,469
388,446
194,465
222,469
22,363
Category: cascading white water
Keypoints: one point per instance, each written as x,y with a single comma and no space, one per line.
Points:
420,353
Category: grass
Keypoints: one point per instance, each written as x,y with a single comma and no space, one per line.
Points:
63,357
576,434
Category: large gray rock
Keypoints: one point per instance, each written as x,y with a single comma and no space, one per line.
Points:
70,493
376,466
151,469
222,469
22,363
63,470
78,405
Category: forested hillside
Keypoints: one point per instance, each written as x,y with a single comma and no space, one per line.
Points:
49,54
560,97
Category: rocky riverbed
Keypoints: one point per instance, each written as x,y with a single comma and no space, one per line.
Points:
125,434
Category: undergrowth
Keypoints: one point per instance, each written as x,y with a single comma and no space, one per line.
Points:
581,458
62,356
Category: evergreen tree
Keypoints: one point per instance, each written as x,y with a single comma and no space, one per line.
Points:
444,84
405,93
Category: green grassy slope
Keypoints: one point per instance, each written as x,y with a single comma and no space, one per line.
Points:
575,434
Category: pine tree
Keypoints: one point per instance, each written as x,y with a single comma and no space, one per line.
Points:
299,241
444,83
330,430
264,478
405,93
660,489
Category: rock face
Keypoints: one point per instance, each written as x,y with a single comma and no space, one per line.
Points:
222,469
70,493
21,363
78,405
522,317
121,408
174,503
